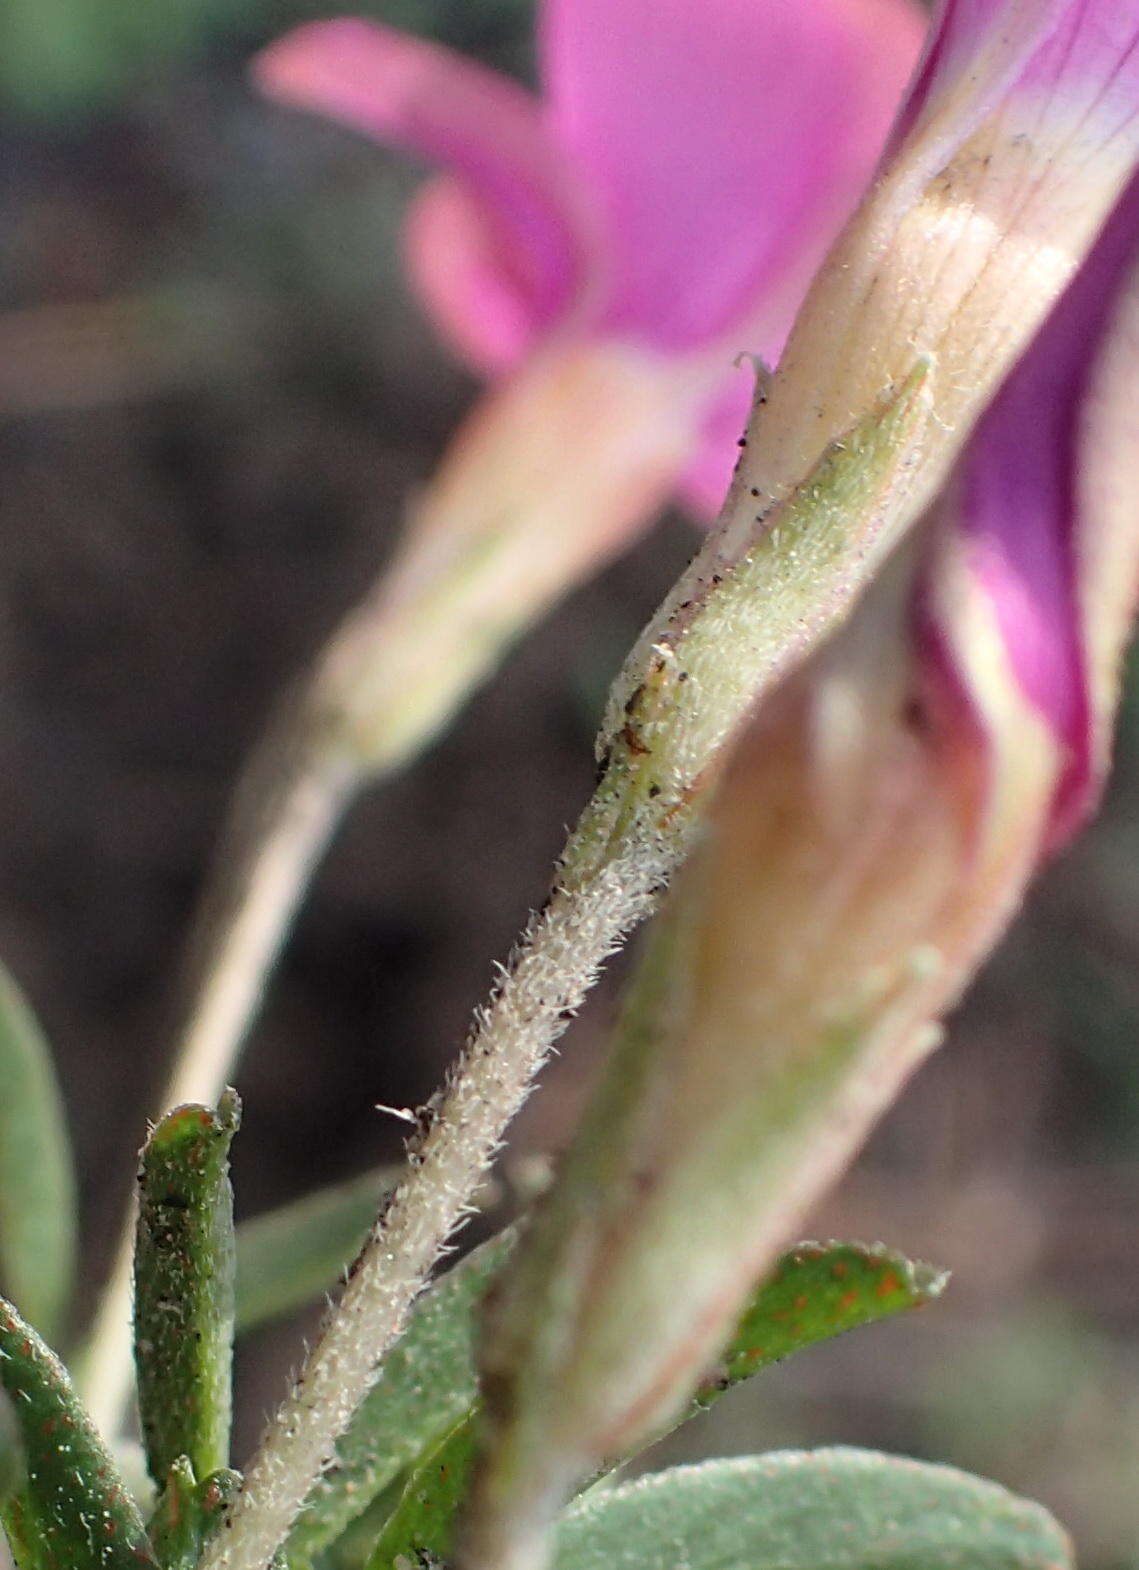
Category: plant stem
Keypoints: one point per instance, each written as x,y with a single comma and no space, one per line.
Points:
489,544
730,630
547,979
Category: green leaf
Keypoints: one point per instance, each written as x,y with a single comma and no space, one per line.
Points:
189,1513
289,1256
37,1185
72,1512
421,1527
814,1293
810,1510
426,1385
354,1545
184,1268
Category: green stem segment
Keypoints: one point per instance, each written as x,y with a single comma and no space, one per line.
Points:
184,1289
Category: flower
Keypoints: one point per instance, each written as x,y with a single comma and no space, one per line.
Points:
673,189
873,835
1016,139
875,824
1034,567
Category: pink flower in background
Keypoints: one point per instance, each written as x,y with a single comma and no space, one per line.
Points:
674,187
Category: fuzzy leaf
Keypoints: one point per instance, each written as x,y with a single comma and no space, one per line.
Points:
72,1511
427,1384
37,1185
810,1510
183,1321
289,1256
814,1293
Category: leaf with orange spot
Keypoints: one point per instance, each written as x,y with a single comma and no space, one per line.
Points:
72,1510
830,1288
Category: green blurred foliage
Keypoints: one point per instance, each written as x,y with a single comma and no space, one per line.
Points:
60,59
1045,1395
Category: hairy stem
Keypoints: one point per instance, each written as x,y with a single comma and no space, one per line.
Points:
549,976
489,544
732,630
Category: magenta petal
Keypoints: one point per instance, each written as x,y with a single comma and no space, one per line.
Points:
454,261
728,139
1017,503
704,483
980,46
535,225
1072,67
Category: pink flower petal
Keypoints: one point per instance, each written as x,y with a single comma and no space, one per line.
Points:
728,139
1019,506
455,263
1105,547
1062,74
977,48
704,483
533,232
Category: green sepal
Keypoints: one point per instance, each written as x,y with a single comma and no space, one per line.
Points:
72,1511
184,1289
815,1292
37,1182
289,1256
189,1513
810,1510
426,1385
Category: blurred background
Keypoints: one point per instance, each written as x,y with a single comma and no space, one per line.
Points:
215,392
